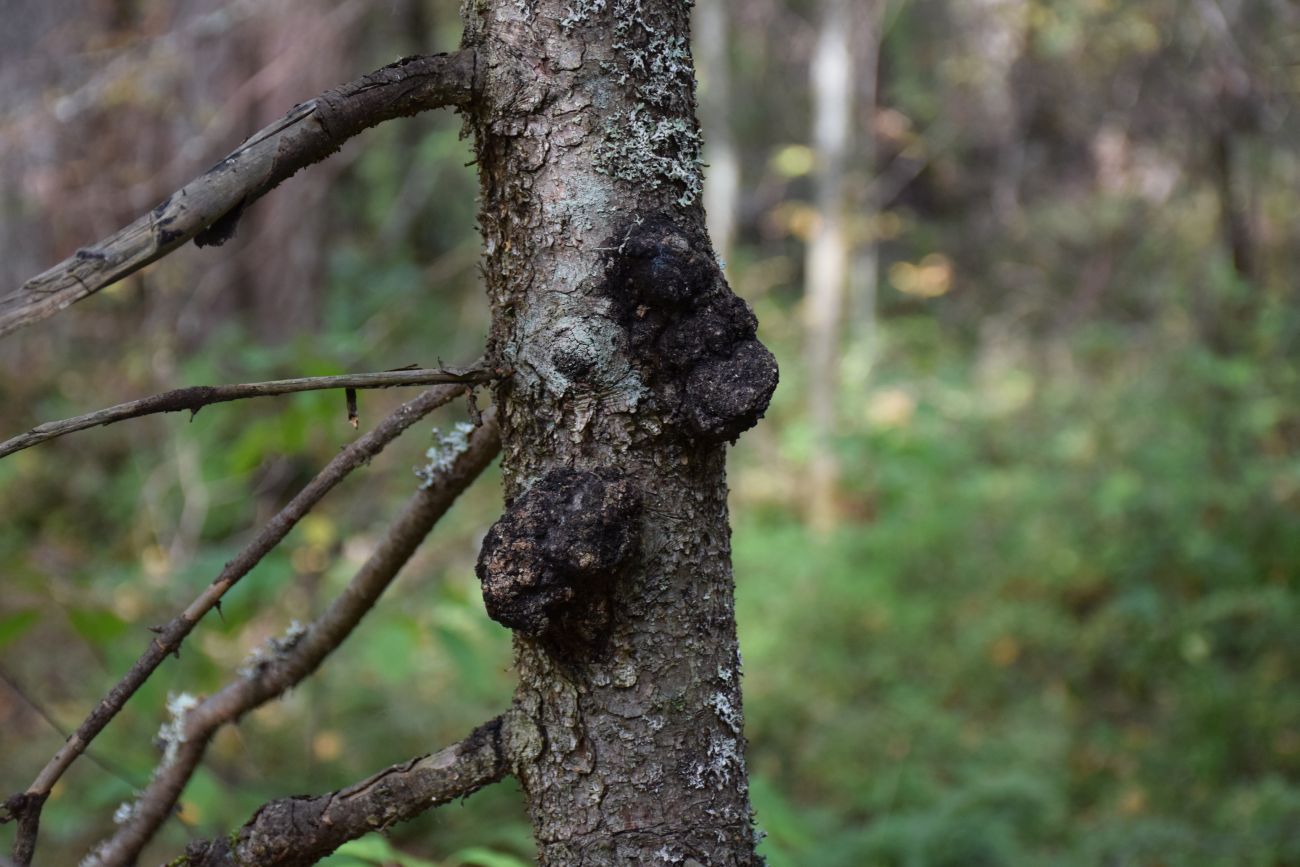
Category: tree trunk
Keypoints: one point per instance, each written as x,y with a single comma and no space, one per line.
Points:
864,273
995,32
826,272
722,183
632,365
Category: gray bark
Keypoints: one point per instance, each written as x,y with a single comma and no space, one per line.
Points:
299,831
632,363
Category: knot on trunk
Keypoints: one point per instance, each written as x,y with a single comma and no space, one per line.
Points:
548,564
697,338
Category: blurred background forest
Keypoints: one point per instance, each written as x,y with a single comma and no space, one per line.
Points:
1017,548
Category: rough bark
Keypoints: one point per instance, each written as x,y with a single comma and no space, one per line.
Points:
299,831
630,365
633,364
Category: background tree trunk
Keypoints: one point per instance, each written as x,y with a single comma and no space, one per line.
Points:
722,181
864,273
827,266
628,741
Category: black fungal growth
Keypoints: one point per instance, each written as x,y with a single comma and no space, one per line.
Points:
549,562
696,337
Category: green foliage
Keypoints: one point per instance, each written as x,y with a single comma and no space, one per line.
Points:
1062,628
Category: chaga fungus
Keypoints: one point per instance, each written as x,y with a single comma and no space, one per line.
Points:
551,558
694,336
721,394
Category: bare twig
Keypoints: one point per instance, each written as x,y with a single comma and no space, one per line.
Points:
207,209
196,397
295,832
293,658
25,807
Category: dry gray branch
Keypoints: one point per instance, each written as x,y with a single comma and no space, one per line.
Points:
293,658
207,209
295,832
25,807
196,397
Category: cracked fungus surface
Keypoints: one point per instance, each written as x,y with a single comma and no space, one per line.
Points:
548,555
695,336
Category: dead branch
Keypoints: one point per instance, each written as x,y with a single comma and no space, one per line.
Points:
207,209
196,397
25,807
294,657
294,832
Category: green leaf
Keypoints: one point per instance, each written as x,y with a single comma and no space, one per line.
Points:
374,849
97,625
479,856
13,626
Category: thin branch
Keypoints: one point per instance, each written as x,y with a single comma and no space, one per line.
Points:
26,806
207,209
196,397
296,656
295,832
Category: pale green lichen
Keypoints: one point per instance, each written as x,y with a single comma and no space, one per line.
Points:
580,11
669,855
125,812
442,456
661,67
652,151
275,646
727,712
172,733
725,762
642,147
725,759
